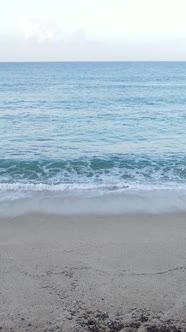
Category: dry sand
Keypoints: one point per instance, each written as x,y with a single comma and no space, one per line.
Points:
90,273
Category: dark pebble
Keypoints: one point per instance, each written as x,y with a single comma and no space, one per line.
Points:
91,322
143,318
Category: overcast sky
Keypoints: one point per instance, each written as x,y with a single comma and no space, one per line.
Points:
66,30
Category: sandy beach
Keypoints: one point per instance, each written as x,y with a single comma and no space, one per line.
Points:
92,273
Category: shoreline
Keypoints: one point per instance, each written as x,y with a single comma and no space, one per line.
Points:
111,203
62,272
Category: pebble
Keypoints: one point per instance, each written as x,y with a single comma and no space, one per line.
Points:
127,329
107,329
142,328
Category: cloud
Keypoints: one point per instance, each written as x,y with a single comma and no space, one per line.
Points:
40,29
77,36
149,50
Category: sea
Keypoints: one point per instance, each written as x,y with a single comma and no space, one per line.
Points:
92,137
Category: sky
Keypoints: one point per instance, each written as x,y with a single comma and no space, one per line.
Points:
92,30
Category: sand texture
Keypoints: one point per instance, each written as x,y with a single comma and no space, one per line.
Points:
93,273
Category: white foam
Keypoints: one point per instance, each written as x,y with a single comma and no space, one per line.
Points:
39,187
24,187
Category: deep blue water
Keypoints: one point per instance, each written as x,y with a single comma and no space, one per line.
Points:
102,126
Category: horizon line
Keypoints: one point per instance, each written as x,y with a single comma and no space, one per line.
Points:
88,61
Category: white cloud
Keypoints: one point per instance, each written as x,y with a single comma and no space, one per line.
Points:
77,36
40,29
90,51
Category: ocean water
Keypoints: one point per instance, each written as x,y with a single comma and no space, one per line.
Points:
94,137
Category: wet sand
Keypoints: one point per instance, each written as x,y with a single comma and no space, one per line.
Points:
92,273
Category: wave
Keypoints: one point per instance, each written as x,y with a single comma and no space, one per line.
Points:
85,172
107,184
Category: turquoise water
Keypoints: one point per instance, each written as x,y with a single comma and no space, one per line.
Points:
92,128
